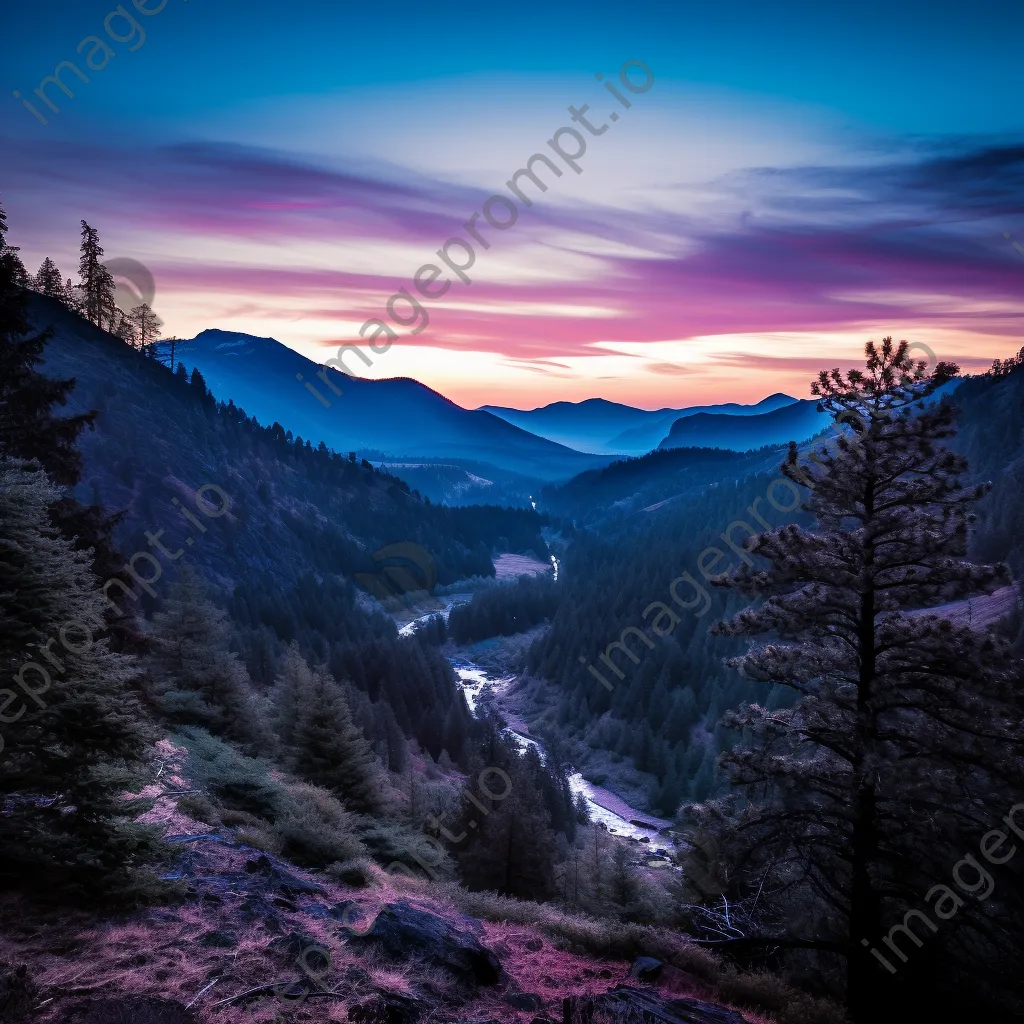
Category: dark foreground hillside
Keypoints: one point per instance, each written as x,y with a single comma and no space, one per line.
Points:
252,937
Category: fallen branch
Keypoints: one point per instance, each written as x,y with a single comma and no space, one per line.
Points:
258,991
207,989
88,988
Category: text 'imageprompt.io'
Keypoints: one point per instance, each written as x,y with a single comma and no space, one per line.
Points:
500,213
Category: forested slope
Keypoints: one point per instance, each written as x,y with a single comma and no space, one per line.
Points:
300,523
661,714
294,508
660,717
991,436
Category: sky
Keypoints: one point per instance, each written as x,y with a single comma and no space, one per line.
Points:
788,181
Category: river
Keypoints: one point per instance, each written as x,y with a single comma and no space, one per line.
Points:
604,806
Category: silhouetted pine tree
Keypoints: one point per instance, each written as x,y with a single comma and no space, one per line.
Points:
29,430
904,738
48,280
70,753
122,327
96,281
12,270
146,324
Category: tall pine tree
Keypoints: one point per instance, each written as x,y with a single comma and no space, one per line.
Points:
71,751
12,270
48,280
902,739
329,749
198,679
146,324
30,430
96,281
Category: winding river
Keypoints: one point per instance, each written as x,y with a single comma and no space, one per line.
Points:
604,806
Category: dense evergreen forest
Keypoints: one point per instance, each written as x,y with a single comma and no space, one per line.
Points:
631,485
662,714
504,611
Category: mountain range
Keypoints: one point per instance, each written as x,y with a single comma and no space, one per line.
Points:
397,417
599,426
295,510
460,455
795,422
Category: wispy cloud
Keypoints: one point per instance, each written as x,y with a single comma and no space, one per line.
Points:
237,234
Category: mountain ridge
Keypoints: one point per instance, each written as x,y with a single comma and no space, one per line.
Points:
605,427
398,415
796,422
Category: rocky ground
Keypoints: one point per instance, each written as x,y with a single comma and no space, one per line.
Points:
256,938
253,938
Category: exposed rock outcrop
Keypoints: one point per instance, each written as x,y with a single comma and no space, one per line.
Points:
402,930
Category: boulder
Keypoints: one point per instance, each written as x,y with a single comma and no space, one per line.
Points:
646,968
402,931
290,884
294,943
524,1000
388,1008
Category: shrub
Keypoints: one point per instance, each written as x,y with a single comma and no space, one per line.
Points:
266,839
238,782
356,873
197,806
316,828
244,818
391,841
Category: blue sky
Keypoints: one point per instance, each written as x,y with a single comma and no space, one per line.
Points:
912,67
339,142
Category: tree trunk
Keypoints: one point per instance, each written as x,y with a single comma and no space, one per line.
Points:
865,911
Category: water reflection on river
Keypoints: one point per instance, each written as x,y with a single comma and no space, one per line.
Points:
604,806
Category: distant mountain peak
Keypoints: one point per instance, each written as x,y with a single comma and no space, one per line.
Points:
214,336
397,416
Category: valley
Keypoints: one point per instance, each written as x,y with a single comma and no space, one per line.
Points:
478,685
